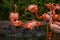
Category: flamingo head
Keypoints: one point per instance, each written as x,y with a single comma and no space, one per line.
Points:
32,8
14,7
49,5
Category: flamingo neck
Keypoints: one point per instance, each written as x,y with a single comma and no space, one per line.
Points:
51,20
37,15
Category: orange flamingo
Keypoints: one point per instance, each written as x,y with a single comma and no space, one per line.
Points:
50,6
14,16
31,24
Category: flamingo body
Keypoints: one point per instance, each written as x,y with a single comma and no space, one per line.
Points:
32,24
14,19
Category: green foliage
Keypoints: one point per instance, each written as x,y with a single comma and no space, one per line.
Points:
6,7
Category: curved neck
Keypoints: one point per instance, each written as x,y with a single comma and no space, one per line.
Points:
50,20
36,13
14,12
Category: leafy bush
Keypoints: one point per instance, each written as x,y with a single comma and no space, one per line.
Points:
6,7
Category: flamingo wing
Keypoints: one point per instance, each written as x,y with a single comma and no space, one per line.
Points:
55,27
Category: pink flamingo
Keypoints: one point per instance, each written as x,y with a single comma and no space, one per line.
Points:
54,25
31,24
57,6
14,16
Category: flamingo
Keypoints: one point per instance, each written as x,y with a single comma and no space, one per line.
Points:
57,6
53,9
50,6
55,26
14,16
15,29
57,10
31,24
